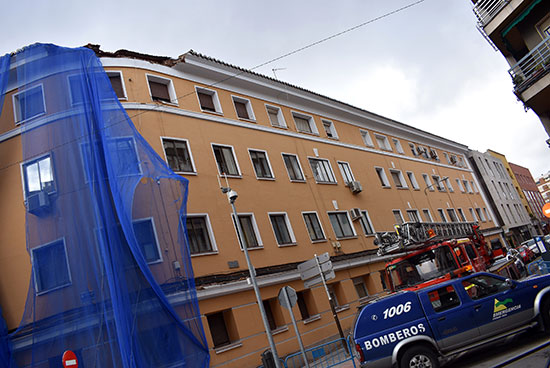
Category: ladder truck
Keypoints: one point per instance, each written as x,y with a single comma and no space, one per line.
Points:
428,253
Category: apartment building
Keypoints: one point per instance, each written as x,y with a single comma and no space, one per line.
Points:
313,175
543,184
520,30
529,193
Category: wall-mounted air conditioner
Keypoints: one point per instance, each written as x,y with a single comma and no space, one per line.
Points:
355,187
38,202
355,213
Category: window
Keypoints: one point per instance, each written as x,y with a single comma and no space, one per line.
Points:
448,182
28,104
293,167
125,163
38,175
434,155
398,179
273,313
428,182
251,237
366,223
480,214
444,298
397,145
442,215
474,186
330,130
366,138
243,108
398,217
336,294
161,89
304,123
322,171
427,215
208,100
413,216
261,165
481,286
76,87
360,287
219,324
50,266
306,304
345,170
200,235
461,215
438,183
382,176
341,225
146,236
472,213
422,151
487,215
178,155
225,158
282,229
467,186
275,116
117,82
382,142
446,155
313,226
452,214
459,183
413,149
413,181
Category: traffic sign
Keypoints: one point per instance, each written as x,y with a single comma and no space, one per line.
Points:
546,210
69,360
312,263
292,297
318,280
312,272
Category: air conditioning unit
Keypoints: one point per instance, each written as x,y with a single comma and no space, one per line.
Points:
453,159
336,245
433,154
355,187
355,213
38,203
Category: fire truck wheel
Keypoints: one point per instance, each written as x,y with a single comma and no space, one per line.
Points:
419,357
545,312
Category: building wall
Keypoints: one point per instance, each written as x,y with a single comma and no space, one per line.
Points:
530,191
543,184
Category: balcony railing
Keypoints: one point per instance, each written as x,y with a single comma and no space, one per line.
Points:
486,10
532,66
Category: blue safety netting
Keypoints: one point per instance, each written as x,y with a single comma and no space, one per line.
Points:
111,273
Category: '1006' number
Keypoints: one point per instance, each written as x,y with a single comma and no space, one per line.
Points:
396,311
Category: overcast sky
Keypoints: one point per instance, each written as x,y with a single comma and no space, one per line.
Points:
426,66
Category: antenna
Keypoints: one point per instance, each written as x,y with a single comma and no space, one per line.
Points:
276,69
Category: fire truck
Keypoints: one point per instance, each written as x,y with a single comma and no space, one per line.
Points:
433,252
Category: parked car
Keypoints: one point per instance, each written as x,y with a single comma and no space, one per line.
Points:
526,254
416,328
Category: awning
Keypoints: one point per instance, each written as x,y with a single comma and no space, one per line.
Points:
519,18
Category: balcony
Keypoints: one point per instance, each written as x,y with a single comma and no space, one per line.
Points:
486,10
532,67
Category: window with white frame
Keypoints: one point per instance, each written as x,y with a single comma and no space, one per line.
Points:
243,108
293,167
467,186
422,151
341,224
38,175
345,170
29,104
330,130
382,176
304,123
208,100
460,186
472,213
413,215
366,223
480,214
146,236
76,88
397,145
50,266
487,214
398,217
428,182
452,215
448,182
250,234
225,158
382,142
275,116
261,165
124,149
438,183
398,179
442,215
178,155
322,171
413,149
282,229
161,89
367,138
427,215
314,228
461,215
413,181
474,186
200,234
117,82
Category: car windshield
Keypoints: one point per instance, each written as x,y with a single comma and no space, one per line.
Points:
422,267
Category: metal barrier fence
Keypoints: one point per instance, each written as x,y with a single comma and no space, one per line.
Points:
538,267
326,355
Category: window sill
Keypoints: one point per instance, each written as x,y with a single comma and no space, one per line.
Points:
279,330
386,186
213,112
267,179
253,248
29,118
308,133
347,237
403,188
341,308
279,126
297,181
287,245
223,349
230,176
311,319
319,241
175,104
326,182
204,254
334,138
185,172
247,120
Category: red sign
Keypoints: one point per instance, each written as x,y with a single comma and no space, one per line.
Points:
69,360
546,210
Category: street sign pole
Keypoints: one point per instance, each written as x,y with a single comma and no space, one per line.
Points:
285,292
332,307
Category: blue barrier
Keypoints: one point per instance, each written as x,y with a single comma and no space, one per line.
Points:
326,355
539,267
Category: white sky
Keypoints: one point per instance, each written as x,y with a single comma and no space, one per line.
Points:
426,66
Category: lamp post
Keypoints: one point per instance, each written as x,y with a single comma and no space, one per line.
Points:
232,197
436,182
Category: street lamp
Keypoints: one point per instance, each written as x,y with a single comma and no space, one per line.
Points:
436,182
232,197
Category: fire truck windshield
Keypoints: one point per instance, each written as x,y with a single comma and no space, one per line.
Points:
422,267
